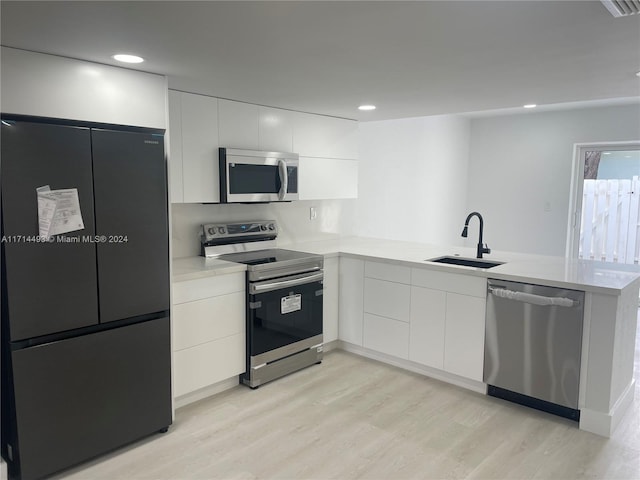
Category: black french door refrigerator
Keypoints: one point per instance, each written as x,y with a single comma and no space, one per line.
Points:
86,364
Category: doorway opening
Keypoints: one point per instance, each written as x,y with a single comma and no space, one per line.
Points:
605,219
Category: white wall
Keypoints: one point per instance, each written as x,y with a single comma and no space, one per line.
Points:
520,164
334,218
50,86
412,179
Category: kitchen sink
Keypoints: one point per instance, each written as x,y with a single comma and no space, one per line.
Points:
465,262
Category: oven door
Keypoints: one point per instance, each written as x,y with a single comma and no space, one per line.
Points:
284,316
248,176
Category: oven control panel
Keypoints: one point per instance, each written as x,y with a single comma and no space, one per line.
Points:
233,232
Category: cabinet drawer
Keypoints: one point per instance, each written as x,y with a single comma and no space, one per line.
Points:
208,319
209,363
200,288
386,335
449,282
387,299
387,271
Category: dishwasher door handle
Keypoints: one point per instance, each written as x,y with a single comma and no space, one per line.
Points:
533,299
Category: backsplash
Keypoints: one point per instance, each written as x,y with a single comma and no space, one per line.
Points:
335,218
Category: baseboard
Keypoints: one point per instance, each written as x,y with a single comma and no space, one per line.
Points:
604,424
206,392
415,367
332,345
349,347
220,387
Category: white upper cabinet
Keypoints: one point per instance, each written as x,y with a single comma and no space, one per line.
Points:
324,137
239,125
327,178
175,147
275,129
193,148
252,127
50,86
199,125
200,149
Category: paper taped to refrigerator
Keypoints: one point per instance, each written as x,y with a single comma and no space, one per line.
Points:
58,211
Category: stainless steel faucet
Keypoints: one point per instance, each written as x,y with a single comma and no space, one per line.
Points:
482,248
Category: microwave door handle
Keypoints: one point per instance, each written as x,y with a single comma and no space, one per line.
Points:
284,179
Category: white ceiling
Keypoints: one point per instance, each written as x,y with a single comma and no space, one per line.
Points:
408,58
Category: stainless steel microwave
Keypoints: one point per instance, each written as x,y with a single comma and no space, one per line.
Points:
248,176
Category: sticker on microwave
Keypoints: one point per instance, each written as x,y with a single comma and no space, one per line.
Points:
292,303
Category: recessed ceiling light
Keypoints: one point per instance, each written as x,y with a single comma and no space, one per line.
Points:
367,107
530,105
606,153
123,57
637,74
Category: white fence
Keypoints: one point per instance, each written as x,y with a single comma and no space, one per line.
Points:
609,227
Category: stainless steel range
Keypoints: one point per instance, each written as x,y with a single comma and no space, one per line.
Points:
284,298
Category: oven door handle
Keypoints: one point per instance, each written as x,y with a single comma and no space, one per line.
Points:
269,286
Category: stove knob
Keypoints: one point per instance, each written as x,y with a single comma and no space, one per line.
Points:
272,226
263,227
221,230
211,230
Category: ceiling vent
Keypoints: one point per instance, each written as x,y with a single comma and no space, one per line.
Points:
622,8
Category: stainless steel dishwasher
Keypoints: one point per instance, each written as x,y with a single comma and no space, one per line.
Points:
533,343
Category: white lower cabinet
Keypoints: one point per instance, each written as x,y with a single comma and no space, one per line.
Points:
426,339
464,336
387,298
447,322
330,294
203,365
426,316
350,301
386,335
208,331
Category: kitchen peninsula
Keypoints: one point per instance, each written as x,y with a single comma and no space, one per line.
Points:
611,300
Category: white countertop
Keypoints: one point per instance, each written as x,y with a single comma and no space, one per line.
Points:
586,275
190,268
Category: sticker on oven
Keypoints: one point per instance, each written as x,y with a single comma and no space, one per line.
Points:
289,304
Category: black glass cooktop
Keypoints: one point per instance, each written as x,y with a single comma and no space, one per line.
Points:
271,255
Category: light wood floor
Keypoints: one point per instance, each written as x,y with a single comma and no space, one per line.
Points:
355,418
